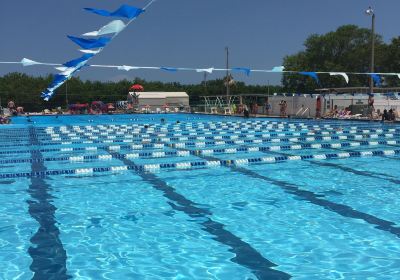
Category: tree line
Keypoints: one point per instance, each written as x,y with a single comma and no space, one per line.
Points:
25,90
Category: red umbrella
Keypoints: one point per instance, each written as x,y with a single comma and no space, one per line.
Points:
137,87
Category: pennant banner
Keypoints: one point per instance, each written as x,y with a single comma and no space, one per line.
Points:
87,45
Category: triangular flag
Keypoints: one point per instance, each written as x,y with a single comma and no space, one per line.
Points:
78,62
115,26
29,62
127,68
344,75
123,11
91,51
278,69
169,69
311,74
208,70
376,78
242,69
90,43
61,69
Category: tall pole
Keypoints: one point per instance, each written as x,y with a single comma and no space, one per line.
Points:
205,83
371,13
371,85
227,71
66,93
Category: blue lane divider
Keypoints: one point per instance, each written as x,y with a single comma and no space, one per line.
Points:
207,143
213,130
156,139
205,163
75,136
225,125
163,154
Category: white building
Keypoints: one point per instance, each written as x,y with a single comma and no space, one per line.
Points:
154,100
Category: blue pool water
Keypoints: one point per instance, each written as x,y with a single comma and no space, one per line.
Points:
208,197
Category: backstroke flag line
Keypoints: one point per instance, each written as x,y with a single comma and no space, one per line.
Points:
69,67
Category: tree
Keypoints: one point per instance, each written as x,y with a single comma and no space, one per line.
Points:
345,50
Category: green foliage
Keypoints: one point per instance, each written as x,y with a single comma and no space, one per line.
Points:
25,90
348,49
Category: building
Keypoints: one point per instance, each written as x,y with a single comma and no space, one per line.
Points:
161,100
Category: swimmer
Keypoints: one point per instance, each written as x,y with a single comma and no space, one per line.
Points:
178,122
162,121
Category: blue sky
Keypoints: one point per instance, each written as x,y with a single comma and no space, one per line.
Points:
182,33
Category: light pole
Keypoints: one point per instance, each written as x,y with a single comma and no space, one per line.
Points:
370,12
227,72
66,93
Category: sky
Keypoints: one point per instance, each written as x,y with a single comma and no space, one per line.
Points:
181,33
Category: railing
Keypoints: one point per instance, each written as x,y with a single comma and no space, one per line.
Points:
302,111
299,111
305,111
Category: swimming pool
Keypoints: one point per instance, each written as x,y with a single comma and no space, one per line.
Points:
208,197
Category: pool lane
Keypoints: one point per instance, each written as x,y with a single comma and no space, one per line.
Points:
245,254
47,252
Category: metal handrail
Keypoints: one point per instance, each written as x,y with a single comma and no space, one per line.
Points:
307,109
298,112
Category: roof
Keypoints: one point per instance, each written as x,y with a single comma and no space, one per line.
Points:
155,94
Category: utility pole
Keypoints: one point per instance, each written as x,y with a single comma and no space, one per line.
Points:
205,83
227,72
66,94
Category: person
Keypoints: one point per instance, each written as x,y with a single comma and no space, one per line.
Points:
391,116
370,105
281,105
234,109
255,108
162,121
318,108
385,115
246,112
11,107
284,107
267,107
4,120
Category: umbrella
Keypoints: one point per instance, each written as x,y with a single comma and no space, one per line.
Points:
137,87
